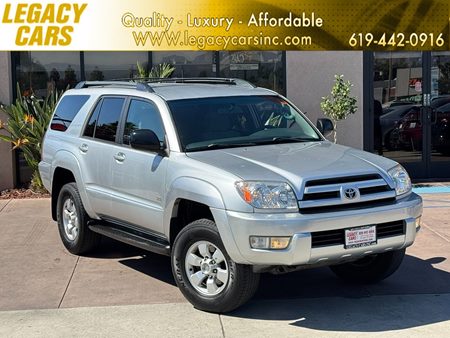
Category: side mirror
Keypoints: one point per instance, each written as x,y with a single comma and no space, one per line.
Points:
145,139
325,126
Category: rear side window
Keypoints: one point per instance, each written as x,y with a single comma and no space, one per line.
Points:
104,120
67,109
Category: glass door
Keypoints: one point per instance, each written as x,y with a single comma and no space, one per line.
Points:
411,92
439,166
399,115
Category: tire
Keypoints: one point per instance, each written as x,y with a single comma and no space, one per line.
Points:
218,284
72,221
370,269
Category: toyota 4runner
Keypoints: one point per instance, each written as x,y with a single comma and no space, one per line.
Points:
228,179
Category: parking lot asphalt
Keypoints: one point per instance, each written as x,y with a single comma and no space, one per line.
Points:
119,290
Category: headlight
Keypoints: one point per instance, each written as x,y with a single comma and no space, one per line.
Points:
401,179
267,195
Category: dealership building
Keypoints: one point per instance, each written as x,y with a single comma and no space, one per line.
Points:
403,97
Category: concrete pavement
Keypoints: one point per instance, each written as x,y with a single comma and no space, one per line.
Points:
119,290
38,273
386,316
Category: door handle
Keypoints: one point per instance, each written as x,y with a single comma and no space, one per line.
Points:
84,148
119,157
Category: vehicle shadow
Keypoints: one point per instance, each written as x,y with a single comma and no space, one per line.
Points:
112,249
148,263
318,300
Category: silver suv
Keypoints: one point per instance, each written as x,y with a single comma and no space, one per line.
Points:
228,179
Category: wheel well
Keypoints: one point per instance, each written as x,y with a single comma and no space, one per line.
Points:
185,212
61,177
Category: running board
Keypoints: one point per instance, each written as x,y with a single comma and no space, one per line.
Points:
121,234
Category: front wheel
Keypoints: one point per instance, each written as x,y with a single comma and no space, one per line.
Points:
204,272
370,269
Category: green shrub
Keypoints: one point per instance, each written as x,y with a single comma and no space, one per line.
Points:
28,119
160,71
340,104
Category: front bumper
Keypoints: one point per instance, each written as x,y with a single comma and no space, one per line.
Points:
240,226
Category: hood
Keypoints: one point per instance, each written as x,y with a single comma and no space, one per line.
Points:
294,162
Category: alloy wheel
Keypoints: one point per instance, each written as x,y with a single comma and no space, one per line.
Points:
206,268
70,219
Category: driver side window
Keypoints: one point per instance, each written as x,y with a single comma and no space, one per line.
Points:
143,115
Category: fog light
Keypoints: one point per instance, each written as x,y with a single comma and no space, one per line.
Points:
259,242
417,223
275,243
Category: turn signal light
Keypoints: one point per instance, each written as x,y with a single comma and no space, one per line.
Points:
417,223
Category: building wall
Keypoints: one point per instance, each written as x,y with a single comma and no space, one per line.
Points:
6,155
310,76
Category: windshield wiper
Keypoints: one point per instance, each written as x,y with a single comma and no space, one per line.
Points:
297,139
274,140
212,146
285,139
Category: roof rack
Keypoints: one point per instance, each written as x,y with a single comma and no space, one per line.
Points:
144,84
132,85
206,80
198,80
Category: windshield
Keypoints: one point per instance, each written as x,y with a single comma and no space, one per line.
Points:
226,122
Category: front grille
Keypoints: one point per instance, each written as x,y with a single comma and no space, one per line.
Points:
337,237
391,229
328,195
326,238
374,190
347,207
340,180
321,195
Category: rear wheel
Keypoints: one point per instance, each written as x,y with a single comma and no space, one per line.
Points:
370,269
204,272
72,221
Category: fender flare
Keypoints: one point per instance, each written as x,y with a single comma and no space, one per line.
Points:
66,160
203,192
192,189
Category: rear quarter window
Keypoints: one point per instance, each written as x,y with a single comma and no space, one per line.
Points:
67,109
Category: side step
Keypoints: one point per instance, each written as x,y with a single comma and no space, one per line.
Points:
140,240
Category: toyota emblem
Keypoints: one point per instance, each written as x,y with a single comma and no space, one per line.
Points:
350,193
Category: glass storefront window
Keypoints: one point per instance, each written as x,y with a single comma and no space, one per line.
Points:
397,84
412,110
188,64
398,78
264,69
99,66
40,72
440,103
